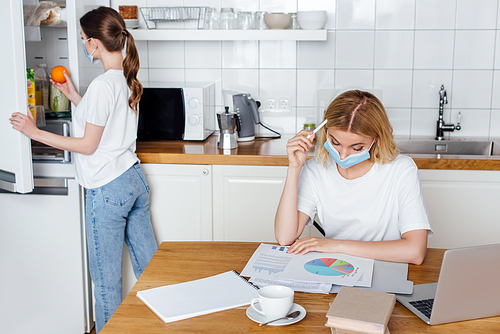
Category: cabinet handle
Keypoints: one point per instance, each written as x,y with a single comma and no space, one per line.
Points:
205,172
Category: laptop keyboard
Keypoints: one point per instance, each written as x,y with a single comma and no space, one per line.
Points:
424,306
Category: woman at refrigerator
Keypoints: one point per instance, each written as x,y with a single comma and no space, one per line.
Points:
105,129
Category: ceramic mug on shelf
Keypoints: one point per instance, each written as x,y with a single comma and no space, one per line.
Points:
275,301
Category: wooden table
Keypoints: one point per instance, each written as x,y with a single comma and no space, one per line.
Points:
177,262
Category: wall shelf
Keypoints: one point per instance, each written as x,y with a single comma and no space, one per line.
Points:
228,35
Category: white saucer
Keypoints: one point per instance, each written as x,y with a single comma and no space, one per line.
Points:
257,317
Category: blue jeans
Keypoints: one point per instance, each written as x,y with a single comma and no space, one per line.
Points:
117,212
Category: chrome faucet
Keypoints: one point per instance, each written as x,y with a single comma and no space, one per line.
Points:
441,125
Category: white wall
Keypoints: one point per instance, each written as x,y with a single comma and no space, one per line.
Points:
407,48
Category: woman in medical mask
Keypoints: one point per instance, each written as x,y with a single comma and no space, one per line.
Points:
104,140
367,197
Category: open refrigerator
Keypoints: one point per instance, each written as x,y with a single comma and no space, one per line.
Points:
45,285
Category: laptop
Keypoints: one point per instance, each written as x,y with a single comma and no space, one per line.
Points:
468,287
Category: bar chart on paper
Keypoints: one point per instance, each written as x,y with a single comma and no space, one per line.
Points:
273,260
329,267
268,262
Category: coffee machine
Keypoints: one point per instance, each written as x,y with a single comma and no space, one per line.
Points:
229,124
247,109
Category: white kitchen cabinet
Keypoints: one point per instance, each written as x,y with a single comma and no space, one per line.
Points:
463,207
181,201
245,202
181,206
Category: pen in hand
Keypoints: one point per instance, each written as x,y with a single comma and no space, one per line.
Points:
317,129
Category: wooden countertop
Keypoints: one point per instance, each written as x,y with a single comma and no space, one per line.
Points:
177,262
272,152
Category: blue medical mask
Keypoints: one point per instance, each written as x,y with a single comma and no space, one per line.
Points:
350,160
90,56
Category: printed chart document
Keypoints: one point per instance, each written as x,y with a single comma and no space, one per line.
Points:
207,295
268,262
334,268
271,262
387,277
295,286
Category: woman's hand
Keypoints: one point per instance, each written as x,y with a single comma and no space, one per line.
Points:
297,148
67,88
24,123
312,244
410,248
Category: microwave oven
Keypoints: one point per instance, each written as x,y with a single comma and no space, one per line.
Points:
170,111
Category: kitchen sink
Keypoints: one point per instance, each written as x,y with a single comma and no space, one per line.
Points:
449,147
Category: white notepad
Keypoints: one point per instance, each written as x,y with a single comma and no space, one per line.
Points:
207,295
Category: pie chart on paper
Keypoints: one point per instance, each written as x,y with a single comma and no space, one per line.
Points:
329,267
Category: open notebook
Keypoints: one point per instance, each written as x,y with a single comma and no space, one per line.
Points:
207,295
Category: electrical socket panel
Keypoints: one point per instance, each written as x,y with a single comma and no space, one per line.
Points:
276,104
271,105
284,104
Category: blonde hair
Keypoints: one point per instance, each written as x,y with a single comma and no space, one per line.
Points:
361,113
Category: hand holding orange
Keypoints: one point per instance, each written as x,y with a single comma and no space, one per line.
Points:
57,74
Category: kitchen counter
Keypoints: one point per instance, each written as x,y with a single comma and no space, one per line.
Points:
272,152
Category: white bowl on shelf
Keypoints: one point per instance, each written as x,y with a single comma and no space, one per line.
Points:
312,20
277,20
131,23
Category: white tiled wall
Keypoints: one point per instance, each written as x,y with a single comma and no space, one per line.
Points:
407,48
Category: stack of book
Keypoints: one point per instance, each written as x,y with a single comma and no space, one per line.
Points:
360,311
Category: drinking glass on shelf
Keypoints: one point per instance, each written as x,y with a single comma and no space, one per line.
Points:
295,22
245,20
259,21
211,19
226,18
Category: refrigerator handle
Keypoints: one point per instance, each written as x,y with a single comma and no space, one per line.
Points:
67,154
50,186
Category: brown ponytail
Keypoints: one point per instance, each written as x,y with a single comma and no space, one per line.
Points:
107,25
130,69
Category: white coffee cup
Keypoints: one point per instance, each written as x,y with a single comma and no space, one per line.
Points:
275,301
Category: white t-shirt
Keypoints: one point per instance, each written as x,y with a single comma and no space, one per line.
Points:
381,205
106,104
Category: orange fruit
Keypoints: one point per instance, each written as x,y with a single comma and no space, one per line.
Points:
57,73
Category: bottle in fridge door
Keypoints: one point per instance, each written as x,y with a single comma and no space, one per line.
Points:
30,85
42,86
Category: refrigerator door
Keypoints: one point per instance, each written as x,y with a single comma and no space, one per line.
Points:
16,169
44,280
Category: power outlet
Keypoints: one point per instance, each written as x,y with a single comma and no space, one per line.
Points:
276,104
284,105
271,105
